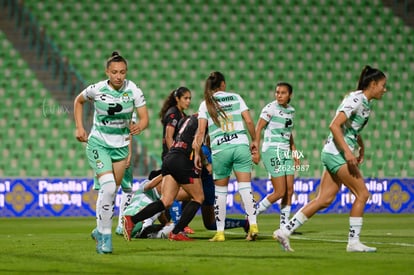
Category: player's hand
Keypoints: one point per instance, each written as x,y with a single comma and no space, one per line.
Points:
352,164
256,157
134,129
197,162
81,135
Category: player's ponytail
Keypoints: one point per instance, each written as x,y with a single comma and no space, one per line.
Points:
369,74
212,85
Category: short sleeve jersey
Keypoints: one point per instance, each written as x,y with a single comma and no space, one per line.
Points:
357,109
231,131
113,111
171,118
186,130
141,198
279,126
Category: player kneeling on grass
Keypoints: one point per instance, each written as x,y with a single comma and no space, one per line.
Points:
177,171
148,192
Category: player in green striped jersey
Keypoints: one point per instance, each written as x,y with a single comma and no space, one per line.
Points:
224,114
278,149
341,165
115,100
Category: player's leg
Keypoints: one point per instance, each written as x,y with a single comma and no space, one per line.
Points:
126,195
242,166
207,208
285,206
357,186
196,192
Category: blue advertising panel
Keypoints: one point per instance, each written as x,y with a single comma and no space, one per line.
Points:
44,197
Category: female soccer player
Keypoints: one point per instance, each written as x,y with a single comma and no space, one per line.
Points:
341,165
224,113
115,99
171,113
177,170
278,149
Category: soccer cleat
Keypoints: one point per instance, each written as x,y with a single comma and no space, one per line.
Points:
128,226
359,247
283,240
98,239
181,236
165,231
119,230
106,243
188,230
253,233
218,237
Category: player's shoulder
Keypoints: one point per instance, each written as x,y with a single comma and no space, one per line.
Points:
98,85
172,110
131,85
290,108
355,98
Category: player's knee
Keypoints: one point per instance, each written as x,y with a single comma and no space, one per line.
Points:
326,201
167,202
199,199
363,196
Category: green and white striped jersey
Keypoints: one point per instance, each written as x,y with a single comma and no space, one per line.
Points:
357,109
231,132
141,199
280,125
113,111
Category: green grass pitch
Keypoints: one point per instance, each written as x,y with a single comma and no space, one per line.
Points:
64,246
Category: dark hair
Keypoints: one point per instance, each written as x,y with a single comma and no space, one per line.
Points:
170,101
368,75
287,85
115,57
212,85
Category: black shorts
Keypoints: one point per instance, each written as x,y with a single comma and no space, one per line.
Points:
180,167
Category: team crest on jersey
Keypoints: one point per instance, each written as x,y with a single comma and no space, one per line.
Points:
99,164
125,97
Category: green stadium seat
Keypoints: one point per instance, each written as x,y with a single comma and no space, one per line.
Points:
181,42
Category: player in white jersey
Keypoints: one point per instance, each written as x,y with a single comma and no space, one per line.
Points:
341,165
224,114
115,100
148,192
278,149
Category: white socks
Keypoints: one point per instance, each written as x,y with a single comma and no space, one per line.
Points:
297,221
245,190
284,214
105,203
220,206
263,206
125,201
355,225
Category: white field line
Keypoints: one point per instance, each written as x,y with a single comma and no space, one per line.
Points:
296,237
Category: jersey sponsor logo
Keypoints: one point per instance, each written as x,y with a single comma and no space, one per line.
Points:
114,108
224,99
226,138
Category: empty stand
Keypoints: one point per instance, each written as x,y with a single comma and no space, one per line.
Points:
318,46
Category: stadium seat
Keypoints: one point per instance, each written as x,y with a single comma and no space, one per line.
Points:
303,42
